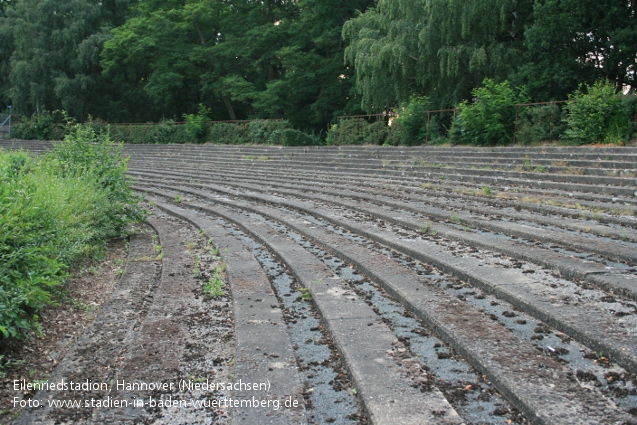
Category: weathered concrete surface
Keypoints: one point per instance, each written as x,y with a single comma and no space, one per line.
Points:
263,348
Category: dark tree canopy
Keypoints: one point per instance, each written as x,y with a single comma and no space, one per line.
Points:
306,61
573,42
54,63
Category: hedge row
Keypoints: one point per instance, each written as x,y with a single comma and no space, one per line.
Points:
267,132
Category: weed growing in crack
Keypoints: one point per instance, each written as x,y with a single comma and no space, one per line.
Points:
487,191
305,294
215,284
177,199
425,229
455,219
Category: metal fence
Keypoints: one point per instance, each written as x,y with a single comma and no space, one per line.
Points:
5,126
539,120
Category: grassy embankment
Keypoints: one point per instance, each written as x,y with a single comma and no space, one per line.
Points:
56,211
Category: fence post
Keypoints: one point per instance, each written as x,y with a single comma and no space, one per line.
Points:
428,121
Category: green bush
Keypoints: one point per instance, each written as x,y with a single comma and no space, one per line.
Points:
596,114
291,137
357,131
412,121
490,119
228,133
266,132
163,133
40,126
198,126
540,123
55,211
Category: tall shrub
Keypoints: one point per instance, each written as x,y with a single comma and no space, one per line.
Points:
597,114
198,126
412,121
490,118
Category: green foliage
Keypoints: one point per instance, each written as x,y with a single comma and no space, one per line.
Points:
164,132
489,119
55,211
416,127
244,59
54,57
198,126
42,126
438,48
214,286
412,120
573,42
596,114
261,132
539,124
357,131
266,132
228,134
86,153
291,137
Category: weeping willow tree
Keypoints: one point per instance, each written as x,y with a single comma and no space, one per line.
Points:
437,48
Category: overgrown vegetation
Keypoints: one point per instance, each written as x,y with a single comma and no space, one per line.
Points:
55,211
596,114
593,114
310,62
540,124
489,119
359,132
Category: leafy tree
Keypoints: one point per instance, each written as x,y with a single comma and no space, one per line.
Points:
314,86
178,54
573,42
437,48
271,59
54,62
6,49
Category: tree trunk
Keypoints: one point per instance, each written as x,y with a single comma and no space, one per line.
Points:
233,116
